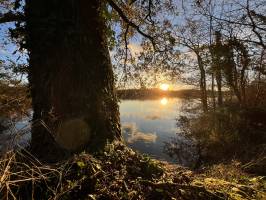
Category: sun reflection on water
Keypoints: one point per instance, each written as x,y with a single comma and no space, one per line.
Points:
164,101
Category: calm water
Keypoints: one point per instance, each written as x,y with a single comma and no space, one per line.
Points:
147,125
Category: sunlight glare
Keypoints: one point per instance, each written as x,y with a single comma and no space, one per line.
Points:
164,101
164,87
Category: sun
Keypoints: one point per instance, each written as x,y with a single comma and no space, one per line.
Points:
164,87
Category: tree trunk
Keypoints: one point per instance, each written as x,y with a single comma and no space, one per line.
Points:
70,77
213,93
216,54
218,77
203,90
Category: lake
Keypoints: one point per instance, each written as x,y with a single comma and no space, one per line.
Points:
147,126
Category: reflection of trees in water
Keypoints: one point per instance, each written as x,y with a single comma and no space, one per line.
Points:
183,147
190,107
183,150
14,134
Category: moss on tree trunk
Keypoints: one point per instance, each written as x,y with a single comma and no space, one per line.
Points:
70,76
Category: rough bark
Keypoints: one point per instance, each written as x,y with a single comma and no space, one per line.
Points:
71,78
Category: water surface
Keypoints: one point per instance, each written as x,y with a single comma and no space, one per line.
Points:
147,125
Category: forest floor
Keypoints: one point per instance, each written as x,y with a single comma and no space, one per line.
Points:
120,173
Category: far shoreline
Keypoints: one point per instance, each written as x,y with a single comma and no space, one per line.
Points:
155,93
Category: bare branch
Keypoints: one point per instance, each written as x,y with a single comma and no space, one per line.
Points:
232,22
148,16
254,26
130,23
11,17
126,51
132,2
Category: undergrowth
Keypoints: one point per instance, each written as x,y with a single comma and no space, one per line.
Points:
120,173
229,133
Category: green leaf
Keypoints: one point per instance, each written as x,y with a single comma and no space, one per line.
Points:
81,164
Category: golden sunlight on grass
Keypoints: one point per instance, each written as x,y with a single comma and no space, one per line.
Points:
164,86
164,101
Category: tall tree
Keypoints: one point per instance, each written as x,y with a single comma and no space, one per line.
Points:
216,52
70,77
192,35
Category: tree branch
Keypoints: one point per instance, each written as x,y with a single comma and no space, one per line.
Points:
11,17
130,23
126,51
148,16
232,22
132,2
254,26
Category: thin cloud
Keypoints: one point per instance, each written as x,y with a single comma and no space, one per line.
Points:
134,135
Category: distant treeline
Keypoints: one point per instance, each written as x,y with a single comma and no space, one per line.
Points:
157,93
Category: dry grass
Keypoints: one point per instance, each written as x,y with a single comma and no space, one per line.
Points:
118,173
